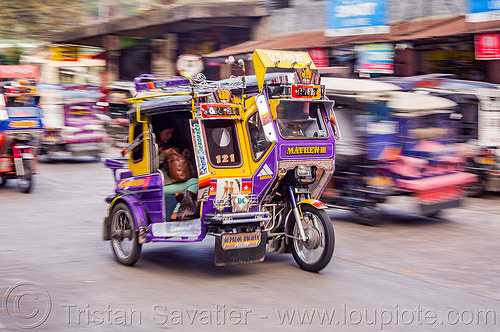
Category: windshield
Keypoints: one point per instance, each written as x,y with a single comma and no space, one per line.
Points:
22,106
300,119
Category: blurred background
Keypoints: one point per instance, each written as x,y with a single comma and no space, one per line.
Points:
147,36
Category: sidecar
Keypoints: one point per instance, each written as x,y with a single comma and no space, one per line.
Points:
477,123
394,143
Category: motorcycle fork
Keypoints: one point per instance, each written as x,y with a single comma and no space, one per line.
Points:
297,213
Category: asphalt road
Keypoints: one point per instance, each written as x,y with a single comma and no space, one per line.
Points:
408,274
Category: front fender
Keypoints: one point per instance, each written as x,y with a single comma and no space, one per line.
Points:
135,207
314,203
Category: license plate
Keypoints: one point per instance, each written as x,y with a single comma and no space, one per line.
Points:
306,91
240,240
18,162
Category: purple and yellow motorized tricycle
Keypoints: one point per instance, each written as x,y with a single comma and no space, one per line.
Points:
262,148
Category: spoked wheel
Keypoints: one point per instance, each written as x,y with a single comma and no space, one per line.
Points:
26,181
124,241
314,253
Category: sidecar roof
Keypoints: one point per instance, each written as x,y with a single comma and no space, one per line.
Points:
411,104
156,102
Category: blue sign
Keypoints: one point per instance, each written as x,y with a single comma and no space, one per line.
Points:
356,17
483,10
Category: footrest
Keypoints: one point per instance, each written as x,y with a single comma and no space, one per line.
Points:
185,228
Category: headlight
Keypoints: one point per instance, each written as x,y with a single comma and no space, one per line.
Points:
303,171
24,137
305,174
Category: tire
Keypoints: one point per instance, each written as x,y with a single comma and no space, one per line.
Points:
475,189
124,240
25,181
3,180
366,216
315,253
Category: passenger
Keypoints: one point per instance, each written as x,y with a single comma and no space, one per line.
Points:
175,165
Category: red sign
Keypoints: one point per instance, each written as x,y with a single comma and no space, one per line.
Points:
306,91
319,56
12,71
488,46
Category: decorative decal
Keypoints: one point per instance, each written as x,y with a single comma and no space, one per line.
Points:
265,173
201,161
24,124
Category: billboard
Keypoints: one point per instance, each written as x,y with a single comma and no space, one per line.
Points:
482,10
375,58
356,17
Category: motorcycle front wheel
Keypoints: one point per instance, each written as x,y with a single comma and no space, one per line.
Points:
26,181
124,240
314,253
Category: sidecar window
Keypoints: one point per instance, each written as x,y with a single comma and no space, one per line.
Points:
258,140
138,151
22,106
222,142
301,119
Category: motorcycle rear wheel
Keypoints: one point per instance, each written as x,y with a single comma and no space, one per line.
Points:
314,253
124,239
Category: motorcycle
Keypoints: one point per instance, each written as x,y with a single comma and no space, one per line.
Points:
20,133
263,148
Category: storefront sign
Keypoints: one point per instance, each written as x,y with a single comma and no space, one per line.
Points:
375,58
64,53
487,46
18,71
483,10
356,17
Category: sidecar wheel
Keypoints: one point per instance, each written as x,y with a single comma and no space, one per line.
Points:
26,180
124,240
315,253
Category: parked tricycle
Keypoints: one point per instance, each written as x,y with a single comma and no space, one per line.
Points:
20,131
71,124
262,148
394,143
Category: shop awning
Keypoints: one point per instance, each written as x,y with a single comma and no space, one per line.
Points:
434,27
